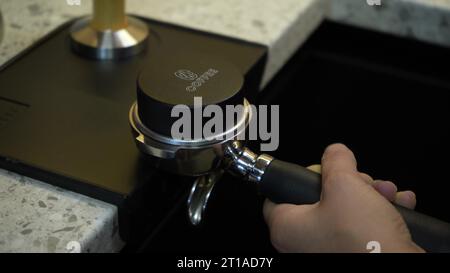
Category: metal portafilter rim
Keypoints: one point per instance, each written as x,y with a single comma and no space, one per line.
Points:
232,133
230,152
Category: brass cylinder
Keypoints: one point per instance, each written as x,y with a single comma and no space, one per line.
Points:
109,15
1,27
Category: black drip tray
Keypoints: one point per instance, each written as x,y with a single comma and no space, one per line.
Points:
64,120
70,125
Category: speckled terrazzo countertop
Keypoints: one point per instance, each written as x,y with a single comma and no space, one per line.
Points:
37,217
425,20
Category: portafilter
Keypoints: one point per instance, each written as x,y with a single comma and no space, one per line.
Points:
178,81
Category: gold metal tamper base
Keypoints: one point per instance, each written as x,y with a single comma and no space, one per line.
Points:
109,33
1,27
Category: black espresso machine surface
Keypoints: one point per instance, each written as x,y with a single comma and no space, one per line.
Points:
64,118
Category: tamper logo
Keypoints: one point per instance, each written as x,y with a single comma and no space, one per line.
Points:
186,75
197,81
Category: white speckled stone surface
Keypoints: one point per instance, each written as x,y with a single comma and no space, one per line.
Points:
282,25
37,217
425,20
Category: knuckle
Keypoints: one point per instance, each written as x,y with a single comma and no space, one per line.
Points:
339,177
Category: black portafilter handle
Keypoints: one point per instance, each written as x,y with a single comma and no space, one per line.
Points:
285,182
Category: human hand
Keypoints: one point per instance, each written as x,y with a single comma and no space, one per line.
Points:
354,209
